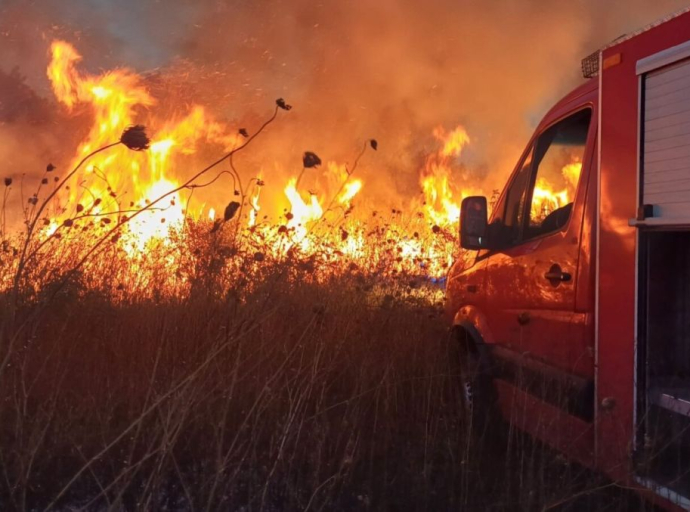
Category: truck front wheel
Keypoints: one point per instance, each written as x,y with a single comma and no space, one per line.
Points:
474,390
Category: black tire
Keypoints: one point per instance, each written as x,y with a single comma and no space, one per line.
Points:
474,391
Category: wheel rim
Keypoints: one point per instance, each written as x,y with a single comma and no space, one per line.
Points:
469,368
467,391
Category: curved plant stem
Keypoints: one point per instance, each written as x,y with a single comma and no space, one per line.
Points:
186,184
342,186
349,175
8,324
107,236
37,215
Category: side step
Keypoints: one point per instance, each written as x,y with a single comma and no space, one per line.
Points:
664,492
673,399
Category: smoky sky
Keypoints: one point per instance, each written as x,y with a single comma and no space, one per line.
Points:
388,69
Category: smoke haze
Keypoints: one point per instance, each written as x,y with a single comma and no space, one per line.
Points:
392,70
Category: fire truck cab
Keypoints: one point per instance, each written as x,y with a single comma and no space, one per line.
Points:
577,297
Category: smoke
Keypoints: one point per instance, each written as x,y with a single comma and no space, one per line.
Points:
392,70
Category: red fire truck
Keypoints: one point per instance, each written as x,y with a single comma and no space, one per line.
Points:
574,312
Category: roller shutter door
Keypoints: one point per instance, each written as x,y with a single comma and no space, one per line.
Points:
666,141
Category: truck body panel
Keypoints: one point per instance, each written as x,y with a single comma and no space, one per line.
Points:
567,300
620,375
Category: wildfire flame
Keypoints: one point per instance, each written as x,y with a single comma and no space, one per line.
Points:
571,172
301,211
545,199
115,98
326,221
351,189
442,200
255,207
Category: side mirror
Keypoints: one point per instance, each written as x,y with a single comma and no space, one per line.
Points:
473,223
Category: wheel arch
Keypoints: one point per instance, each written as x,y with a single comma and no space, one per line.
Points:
471,332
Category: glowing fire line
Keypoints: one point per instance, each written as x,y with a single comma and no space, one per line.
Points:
116,97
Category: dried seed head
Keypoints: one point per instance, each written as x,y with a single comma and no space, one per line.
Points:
135,138
374,144
281,103
8,182
243,132
231,210
310,160
50,168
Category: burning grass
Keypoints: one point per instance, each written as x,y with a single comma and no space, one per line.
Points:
123,197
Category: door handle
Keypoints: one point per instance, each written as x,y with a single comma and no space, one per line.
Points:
556,275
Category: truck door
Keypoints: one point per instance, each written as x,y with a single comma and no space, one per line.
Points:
531,278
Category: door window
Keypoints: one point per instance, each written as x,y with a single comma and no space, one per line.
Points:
540,198
516,197
557,165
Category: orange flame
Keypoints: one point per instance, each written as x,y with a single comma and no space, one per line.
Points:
125,181
301,212
442,201
350,190
254,204
114,97
545,199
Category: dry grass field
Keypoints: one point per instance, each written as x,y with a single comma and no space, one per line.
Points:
275,385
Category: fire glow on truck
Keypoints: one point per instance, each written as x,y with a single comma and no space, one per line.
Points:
574,323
